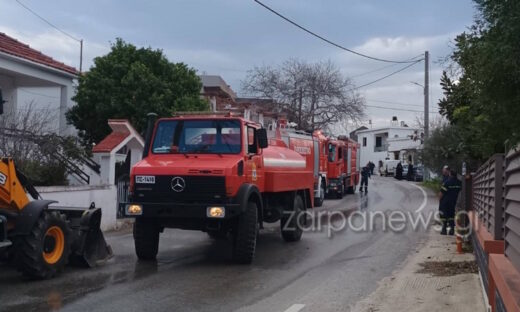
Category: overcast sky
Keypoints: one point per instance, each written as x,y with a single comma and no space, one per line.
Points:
228,37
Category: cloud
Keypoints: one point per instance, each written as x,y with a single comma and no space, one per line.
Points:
59,46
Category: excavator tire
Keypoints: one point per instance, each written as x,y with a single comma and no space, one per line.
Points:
45,251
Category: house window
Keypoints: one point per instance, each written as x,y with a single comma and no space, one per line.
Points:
379,141
365,141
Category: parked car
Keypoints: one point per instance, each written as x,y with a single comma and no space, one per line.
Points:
418,174
388,168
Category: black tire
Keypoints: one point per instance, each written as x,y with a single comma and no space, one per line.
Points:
339,194
245,234
146,239
31,249
290,227
318,202
351,189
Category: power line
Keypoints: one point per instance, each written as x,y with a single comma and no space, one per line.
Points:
391,74
382,68
395,103
47,22
327,40
400,109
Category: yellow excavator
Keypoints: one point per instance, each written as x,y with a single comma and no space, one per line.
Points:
40,238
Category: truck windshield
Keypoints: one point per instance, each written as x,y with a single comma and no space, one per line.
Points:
197,136
332,152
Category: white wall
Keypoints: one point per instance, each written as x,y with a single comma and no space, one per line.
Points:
8,93
104,197
367,152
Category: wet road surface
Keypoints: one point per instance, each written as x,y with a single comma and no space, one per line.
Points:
194,272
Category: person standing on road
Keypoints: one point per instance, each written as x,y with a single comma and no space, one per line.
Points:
371,165
399,171
365,174
448,200
409,174
445,173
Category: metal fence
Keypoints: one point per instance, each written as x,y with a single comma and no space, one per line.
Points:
511,205
123,185
487,195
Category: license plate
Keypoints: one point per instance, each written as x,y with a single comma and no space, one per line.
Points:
145,179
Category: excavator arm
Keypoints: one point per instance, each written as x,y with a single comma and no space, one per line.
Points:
13,196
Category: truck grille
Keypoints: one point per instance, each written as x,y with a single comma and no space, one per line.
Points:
197,189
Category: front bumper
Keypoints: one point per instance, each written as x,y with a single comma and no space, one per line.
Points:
334,185
180,210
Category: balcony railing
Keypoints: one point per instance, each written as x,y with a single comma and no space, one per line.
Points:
382,148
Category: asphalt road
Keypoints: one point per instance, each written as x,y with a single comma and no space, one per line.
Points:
194,272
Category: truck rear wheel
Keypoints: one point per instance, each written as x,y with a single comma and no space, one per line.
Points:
291,221
146,239
45,251
318,202
245,233
340,192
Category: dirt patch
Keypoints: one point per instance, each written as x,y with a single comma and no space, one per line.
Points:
448,268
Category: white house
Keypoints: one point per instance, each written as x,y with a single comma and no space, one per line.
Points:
397,142
26,73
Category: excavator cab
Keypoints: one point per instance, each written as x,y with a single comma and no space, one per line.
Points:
40,238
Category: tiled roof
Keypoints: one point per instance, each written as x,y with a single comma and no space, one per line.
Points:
110,142
14,47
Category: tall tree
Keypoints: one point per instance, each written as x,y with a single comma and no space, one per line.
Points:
315,95
482,96
128,83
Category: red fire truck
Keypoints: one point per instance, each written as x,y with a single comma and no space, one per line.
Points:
217,174
343,166
313,148
336,175
352,163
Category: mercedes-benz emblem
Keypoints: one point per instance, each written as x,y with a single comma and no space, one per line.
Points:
178,184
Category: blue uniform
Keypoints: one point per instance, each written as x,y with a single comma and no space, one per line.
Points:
450,191
365,174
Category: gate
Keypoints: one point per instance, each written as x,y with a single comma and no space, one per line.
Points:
123,185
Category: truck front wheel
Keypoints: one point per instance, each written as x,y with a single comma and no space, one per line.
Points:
245,232
146,239
292,221
318,202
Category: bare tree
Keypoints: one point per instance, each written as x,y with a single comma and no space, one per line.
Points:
27,123
315,95
46,158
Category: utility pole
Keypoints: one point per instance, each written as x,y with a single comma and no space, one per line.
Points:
426,104
80,55
426,94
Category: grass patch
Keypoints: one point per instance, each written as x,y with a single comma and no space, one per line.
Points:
434,185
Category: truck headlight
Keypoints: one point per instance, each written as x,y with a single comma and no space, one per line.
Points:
134,210
216,212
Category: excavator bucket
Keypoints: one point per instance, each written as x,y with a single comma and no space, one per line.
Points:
90,246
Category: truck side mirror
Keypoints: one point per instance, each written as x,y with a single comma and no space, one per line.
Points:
261,135
149,131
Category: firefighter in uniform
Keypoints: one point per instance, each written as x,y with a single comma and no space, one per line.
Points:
448,199
365,174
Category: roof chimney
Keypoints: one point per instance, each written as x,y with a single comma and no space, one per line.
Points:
395,122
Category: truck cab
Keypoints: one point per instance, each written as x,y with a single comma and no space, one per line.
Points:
215,174
336,168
